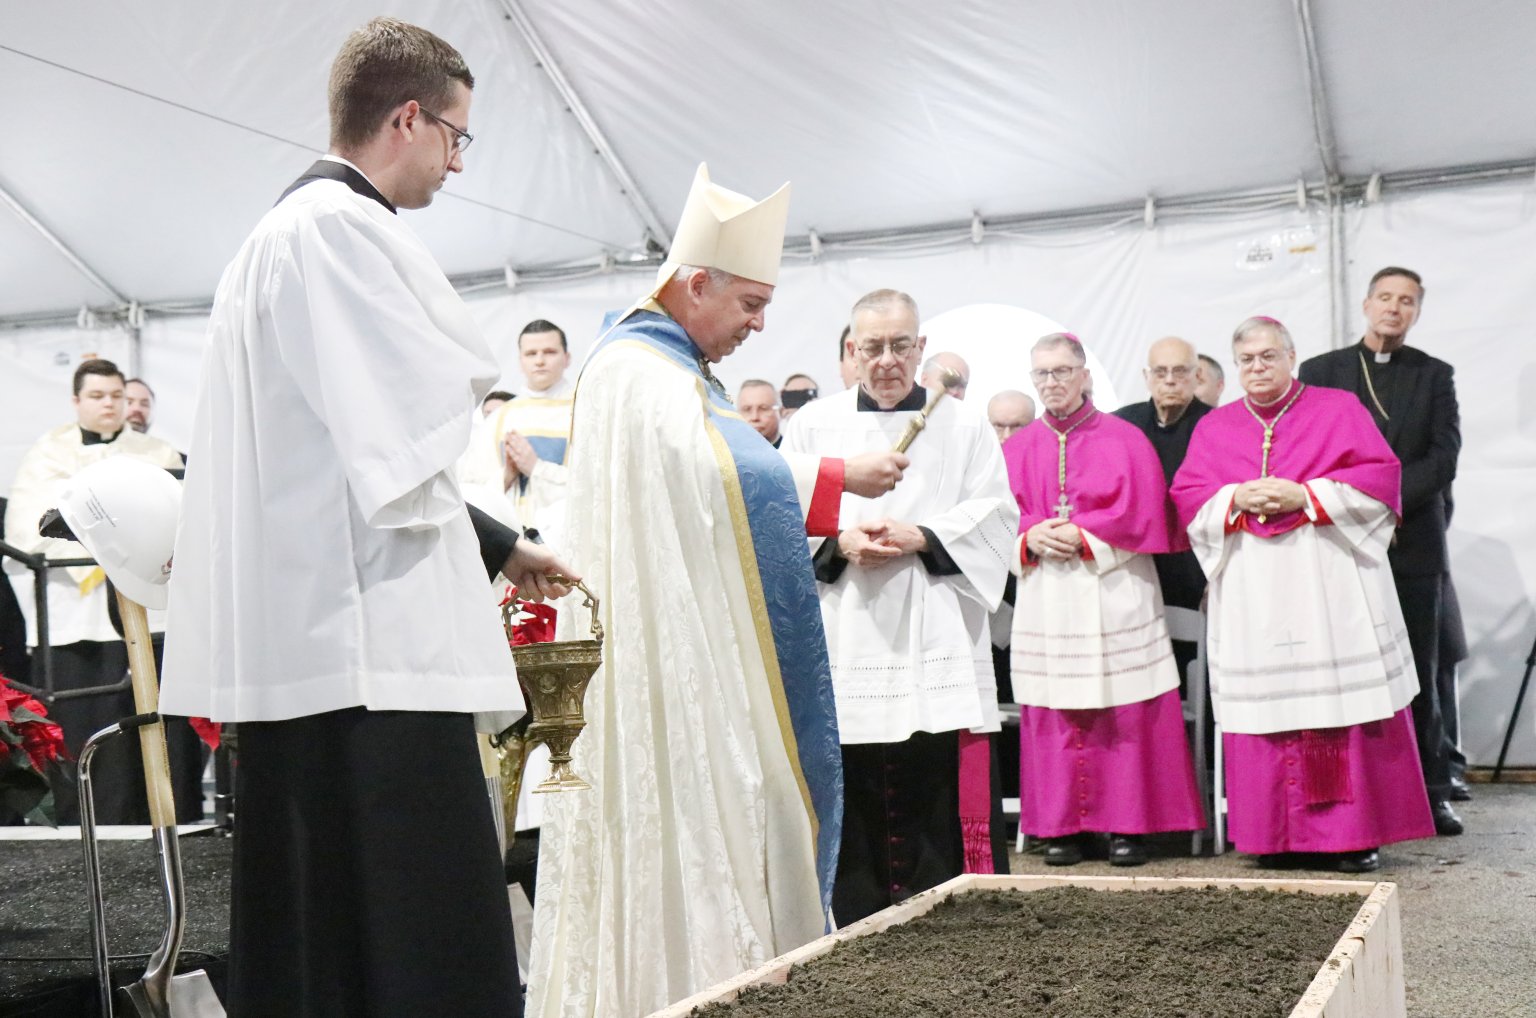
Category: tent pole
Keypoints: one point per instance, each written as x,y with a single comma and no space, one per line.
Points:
36,224
656,232
1322,122
1328,155
1338,265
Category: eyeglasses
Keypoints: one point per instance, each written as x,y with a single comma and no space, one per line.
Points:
461,137
1061,374
874,351
1268,357
1178,371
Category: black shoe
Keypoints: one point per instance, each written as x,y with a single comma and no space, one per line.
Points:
1126,850
1459,791
1063,852
1367,861
1281,861
1447,823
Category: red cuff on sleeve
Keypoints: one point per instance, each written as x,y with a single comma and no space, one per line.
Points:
826,499
1082,539
1323,519
1232,526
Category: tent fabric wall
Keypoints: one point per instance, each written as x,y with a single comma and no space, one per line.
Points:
1119,288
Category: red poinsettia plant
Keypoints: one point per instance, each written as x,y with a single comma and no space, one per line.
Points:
32,757
527,621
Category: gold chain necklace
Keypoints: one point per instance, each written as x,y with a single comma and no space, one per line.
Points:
1269,430
1063,509
1369,387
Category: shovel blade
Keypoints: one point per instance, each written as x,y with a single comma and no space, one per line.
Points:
189,995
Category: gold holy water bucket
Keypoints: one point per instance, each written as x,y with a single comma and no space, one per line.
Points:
554,678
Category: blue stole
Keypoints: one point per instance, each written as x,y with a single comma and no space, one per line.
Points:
781,584
551,450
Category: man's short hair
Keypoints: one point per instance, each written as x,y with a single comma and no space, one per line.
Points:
717,277
751,382
884,300
842,344
1213,364
97,366
140,381
1258,322
1395,270
1061,340
800,374
501,394
540,325
382,65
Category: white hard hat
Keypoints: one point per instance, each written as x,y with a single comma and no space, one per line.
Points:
124,511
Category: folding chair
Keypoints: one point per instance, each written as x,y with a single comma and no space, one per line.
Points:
1188,625
1011,808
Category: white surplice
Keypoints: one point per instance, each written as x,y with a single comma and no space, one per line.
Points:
911,652
77,597
1089,632
325,558
1304,628
692,858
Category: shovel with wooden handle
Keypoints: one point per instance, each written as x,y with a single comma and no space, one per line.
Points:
161,993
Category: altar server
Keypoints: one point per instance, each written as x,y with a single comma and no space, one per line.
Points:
329,591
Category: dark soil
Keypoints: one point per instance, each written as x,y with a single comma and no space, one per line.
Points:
45,916
1071,952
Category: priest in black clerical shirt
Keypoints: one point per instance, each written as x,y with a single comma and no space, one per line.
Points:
86,652
1412,398
1168,419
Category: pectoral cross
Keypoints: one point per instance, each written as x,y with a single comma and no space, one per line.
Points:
1063,509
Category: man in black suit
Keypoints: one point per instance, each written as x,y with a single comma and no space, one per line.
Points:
1168,419
1412,397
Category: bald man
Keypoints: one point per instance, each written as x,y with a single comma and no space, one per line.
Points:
1009,411
954,362
1168,419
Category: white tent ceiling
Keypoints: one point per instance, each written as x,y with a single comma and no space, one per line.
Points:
149,138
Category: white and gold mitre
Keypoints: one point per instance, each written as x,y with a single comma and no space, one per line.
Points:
721,229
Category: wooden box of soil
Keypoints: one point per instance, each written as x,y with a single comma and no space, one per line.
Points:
1225,947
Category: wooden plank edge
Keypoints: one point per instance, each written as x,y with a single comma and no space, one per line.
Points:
776,972
1336,991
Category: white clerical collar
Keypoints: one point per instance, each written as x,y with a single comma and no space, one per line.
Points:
1383,356
332,157
559,389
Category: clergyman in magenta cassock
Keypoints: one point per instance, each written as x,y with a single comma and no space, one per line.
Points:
1311,672
1103,747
